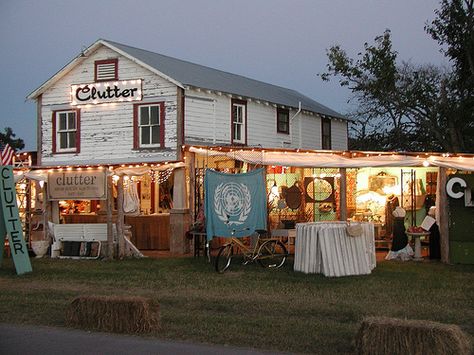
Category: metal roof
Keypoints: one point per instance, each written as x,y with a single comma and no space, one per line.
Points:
200,76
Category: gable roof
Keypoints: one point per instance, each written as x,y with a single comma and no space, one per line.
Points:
184,73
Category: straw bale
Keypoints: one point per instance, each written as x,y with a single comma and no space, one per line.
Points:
391,336
113,314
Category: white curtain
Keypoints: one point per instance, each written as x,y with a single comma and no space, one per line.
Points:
131,200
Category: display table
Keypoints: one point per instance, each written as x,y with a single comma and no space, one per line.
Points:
84,218
325,247
150,232
290,234
416,237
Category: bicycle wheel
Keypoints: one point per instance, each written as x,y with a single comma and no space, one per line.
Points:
272,254
224,257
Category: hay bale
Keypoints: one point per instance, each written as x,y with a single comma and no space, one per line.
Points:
381,335
113,314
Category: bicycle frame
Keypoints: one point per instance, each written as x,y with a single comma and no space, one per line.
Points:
250,254
269,253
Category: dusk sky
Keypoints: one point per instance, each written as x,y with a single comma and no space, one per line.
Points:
282,42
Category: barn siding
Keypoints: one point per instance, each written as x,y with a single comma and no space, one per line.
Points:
339,134
207,122
311,131
107,129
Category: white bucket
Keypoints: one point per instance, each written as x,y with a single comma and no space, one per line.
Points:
40,247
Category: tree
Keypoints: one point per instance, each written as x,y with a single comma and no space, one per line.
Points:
405,106
454,28
8,137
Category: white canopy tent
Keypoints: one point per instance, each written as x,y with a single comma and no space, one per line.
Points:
349,159
341,159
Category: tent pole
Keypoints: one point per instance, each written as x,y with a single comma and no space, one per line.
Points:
343,194
442,213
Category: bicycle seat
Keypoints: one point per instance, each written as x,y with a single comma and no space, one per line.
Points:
261,231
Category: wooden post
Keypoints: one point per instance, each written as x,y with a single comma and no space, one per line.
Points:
45,208
179,189
343,195
39,130
110,234
180,123
192,184
179,215
442,214
120,217
55,214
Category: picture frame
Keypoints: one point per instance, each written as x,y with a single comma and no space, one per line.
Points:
378,182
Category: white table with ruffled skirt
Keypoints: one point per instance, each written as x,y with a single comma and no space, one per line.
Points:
326,248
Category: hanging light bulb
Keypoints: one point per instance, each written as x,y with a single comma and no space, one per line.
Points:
274,190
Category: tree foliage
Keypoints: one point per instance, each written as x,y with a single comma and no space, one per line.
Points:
406,107
454,28
9,137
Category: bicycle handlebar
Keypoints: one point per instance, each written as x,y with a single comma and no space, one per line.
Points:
233,231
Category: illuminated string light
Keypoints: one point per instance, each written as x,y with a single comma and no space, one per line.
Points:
165,175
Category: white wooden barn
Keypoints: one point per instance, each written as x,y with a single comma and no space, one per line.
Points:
115,105
195,105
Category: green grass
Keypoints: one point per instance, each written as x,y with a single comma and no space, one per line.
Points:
248,305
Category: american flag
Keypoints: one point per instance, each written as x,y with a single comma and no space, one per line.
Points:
6,153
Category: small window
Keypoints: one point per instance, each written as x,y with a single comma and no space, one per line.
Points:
239,118
106,70
283,121
325,133
149,125
66,131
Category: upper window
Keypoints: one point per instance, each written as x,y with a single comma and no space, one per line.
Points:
66,131
283,120
106,70
149,125
239,118
325,133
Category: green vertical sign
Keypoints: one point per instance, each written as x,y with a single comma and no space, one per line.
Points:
10,222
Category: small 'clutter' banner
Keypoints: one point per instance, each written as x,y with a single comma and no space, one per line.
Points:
234,202
77,185
10,222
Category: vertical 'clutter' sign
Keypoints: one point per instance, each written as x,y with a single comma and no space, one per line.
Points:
10,222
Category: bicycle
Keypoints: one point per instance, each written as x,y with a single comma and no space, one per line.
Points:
269,253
